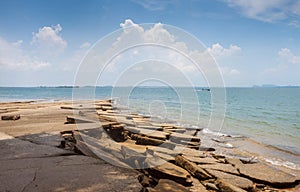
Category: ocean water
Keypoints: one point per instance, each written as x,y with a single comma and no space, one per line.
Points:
268,116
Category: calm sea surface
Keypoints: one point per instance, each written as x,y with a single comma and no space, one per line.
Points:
268,115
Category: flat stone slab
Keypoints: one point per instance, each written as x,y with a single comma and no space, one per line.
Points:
199,160
232,179
264,173
197,186
51,139
170,171
12,148
166,185
26,166
227,187
220,167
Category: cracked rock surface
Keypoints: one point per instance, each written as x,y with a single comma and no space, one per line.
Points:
31,161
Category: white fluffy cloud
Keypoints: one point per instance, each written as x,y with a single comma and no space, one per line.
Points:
288,66
49,41
12,56
44,48
218,50
137,43
288,56
265,10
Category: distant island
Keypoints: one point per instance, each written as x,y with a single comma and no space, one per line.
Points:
276,86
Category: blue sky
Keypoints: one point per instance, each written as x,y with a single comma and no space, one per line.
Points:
253,41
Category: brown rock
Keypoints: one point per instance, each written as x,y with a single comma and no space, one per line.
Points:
211,186
149,133
227,187
179,136
141,140
116,132
166,185
238,181
264,173
199,160
170,171
147,181
73,120
197,186
10,117
189,152
192,168
228,168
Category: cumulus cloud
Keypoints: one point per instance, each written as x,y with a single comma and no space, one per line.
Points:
12,56
268,11
288,56
288,66
218,50
49,41
138,43
46,44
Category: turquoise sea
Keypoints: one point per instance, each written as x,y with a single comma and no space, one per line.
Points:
267,117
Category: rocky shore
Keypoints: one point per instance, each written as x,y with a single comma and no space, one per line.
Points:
100,147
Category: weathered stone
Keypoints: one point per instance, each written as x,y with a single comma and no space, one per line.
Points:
189,152
141,140
170,171
165,150
10,117
264,173
192,168
146,181
166,185
228,168
164,156
197,186
116,118
211,186
233,161
179,136
116,132
199,160
227,187
232,179
157,128
149,133
74,120
201,148
170,130
26,166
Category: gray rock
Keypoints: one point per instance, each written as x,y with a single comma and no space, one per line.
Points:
26,166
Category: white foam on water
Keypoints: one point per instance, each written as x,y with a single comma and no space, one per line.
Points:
279,162
218,134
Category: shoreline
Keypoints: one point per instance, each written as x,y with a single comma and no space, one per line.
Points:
210,134
53,111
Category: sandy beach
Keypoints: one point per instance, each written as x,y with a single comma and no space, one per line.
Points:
57,146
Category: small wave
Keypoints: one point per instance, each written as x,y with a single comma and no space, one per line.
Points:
215,133
283,150
280,162
220,134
